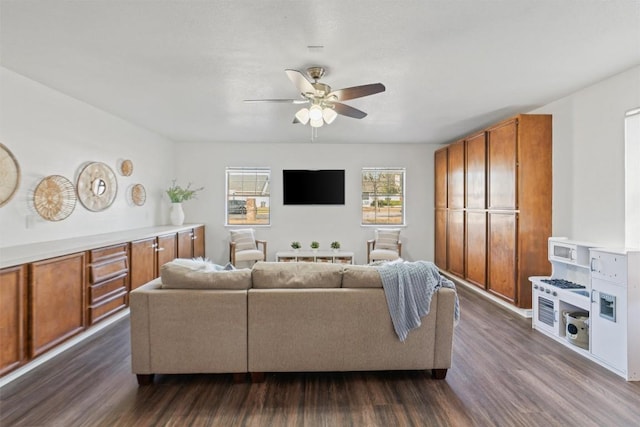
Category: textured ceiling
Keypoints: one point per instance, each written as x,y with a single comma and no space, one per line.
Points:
183,68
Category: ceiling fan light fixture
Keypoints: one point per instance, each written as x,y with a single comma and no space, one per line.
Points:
303,115
315,113
329,115
316,123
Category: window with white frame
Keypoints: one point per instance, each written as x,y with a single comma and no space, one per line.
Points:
383,196
248,196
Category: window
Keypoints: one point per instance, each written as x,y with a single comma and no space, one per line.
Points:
248,196
383,196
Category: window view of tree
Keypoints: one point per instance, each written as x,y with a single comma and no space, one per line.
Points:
383,196
248,196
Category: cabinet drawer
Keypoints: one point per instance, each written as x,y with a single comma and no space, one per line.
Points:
106,288
108,269
105,308
101,254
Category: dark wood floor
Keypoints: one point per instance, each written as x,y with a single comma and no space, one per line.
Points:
503,374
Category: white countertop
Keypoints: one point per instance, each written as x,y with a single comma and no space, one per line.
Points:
21,254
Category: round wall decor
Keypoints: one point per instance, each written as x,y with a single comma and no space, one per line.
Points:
9,175
54,198
138,194
97,186
126,168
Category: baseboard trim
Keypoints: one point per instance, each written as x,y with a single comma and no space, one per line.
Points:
13,375
524,312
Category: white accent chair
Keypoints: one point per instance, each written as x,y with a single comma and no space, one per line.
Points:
244,247
386,246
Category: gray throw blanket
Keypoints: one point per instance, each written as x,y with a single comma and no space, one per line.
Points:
408,287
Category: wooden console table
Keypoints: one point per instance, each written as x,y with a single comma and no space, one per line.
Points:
340,257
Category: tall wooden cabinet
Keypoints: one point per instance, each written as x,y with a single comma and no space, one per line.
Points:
497,238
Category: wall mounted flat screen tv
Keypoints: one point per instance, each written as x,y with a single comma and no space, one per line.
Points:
313,187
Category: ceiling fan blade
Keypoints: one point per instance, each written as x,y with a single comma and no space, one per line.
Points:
281,101
348,111
300,81
357,91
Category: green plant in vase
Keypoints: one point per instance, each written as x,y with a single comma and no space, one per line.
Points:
335,246
177,195
295,245
315,245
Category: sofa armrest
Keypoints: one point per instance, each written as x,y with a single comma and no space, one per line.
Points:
262,243
188,331
445,314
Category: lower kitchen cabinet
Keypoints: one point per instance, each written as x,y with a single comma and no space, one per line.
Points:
191,243
57,291
50,293
143,261
13,326
108,281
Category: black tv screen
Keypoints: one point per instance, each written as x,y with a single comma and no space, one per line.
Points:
313,187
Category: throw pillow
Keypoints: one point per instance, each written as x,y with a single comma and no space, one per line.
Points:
387,238
175,275
244,239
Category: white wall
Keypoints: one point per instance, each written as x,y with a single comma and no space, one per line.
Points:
588,159
204,164
53,134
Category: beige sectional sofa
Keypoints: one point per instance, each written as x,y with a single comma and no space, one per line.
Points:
279,317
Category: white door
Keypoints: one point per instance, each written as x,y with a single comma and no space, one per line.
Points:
608,323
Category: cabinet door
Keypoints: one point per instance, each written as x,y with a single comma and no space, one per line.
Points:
57,295
440,178
198,242
441,238
13,336
143,262
502,165
476,248
167,249
455,175
455,242
476,172
185,244
502,249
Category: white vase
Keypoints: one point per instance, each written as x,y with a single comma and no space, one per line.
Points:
176,216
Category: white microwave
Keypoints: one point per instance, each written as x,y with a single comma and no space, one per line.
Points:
569,251
563,251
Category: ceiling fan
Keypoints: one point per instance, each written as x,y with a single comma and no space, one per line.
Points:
325,104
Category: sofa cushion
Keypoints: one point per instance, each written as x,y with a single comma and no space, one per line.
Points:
178,275
274,275
360,276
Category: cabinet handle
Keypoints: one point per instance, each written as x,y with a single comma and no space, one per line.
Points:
160,249
592,294
194,237
591,264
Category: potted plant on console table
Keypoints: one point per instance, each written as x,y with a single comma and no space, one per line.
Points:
177,195
335,246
